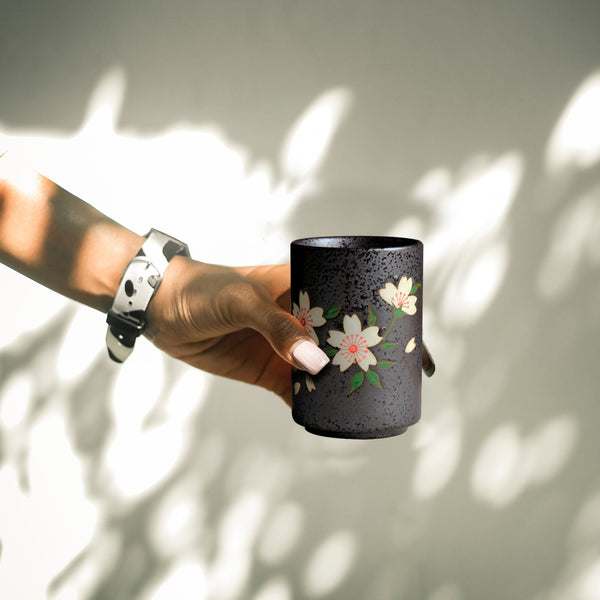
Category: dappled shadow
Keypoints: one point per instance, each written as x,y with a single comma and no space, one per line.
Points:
152,480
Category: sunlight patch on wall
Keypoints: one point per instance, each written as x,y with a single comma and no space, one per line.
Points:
175,522
188,395
449,343
508,462
237,532
585,531
282,533
439,447
476,209
579,578
50,486
188,180
476,282
575,242
308,141
80,345
185,580
588,583
105,104
433,185
575,141
550,447
138,387
465,234
93,565
140,455
16,397
278,588
330,564
135,464
497,477
52,522
26,309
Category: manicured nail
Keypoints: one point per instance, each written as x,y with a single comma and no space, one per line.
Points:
310,357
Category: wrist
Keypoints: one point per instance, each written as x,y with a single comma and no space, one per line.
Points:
105,252
58,240
166,305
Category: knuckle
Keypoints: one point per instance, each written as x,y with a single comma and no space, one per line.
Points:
285,332
281,326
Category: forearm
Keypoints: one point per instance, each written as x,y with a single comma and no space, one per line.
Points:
58,240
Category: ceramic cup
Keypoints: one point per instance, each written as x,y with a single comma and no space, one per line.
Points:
360,299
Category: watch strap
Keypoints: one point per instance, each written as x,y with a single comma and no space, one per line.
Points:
127,316
159,248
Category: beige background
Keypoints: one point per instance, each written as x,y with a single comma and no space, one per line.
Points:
238,126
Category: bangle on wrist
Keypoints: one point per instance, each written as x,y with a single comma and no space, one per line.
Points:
127,316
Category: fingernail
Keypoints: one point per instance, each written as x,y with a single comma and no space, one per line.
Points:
310,357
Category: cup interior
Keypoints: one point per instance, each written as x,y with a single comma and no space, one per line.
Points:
362,242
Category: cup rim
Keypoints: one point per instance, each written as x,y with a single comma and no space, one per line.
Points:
356,242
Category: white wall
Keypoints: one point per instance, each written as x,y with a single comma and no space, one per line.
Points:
239,126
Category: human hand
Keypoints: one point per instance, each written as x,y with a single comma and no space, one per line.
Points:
233,322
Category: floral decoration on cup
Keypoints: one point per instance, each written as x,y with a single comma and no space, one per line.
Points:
401,297
311,318
353,344
308,317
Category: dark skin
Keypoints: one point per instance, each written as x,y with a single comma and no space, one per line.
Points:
214,320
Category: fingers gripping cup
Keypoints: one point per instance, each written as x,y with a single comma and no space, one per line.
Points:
360,299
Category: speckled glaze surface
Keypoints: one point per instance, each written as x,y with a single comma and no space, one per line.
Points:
360,299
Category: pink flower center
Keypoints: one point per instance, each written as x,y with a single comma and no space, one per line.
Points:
400,299
354,348
304,317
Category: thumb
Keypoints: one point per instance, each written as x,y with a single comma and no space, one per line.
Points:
289,338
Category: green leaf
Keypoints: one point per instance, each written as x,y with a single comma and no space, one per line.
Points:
373,379
332,312
384,364
331,352
388,345
415,288
372,316
356,381
398,312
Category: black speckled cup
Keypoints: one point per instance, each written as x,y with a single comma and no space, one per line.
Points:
361,299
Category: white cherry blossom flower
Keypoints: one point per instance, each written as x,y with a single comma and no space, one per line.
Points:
309,317
400,296
354,343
